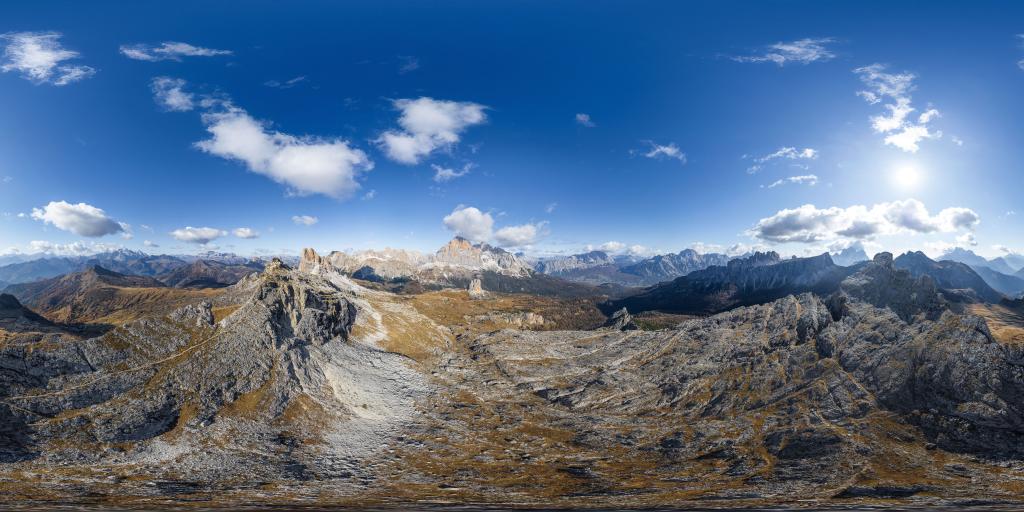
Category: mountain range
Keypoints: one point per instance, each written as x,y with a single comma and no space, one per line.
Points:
766,276
837,384
122,260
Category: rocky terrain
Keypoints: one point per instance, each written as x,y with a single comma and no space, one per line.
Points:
303,386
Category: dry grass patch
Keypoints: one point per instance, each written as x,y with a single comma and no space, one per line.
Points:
1006,324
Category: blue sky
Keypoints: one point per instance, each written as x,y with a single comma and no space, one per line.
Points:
799,126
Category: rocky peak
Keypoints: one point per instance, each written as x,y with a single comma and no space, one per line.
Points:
883,285
310,260
758,259
883,259
461,252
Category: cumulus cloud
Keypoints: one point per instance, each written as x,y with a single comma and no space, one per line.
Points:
170,94
427,125
470,223
81,219
670,150
808,179
966,240
307,165
786,153
39,58
616,247
902,130
801,51
247,233
200,236
169,50
149,243
71,249
612,246
584,120
305,220
810,224
520,236
443,174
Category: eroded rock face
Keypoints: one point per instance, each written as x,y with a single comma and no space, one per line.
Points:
882,284
277,368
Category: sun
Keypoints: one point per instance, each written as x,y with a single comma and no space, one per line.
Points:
906,176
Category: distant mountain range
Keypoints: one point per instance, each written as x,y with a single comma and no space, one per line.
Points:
456,264
759,278
850,256
123,261
1004,265
97,294
1005,274
599,267
764,277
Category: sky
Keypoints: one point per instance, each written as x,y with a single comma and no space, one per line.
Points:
546,128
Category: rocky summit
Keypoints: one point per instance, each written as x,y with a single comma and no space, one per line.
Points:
306,385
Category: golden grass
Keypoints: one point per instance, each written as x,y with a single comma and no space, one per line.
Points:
1006,324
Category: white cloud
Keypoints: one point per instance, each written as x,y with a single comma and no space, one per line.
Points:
71,249
966,240
81,219
669,150
305,220
704,248
200,236
550,208
470,223
810,224
247,233
169,50
612,246
520,236
584,120
369,195
443,174
802,51
900,128
148,243
170,94
38,57
957,140
307,165
808,179
427,125
785,152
